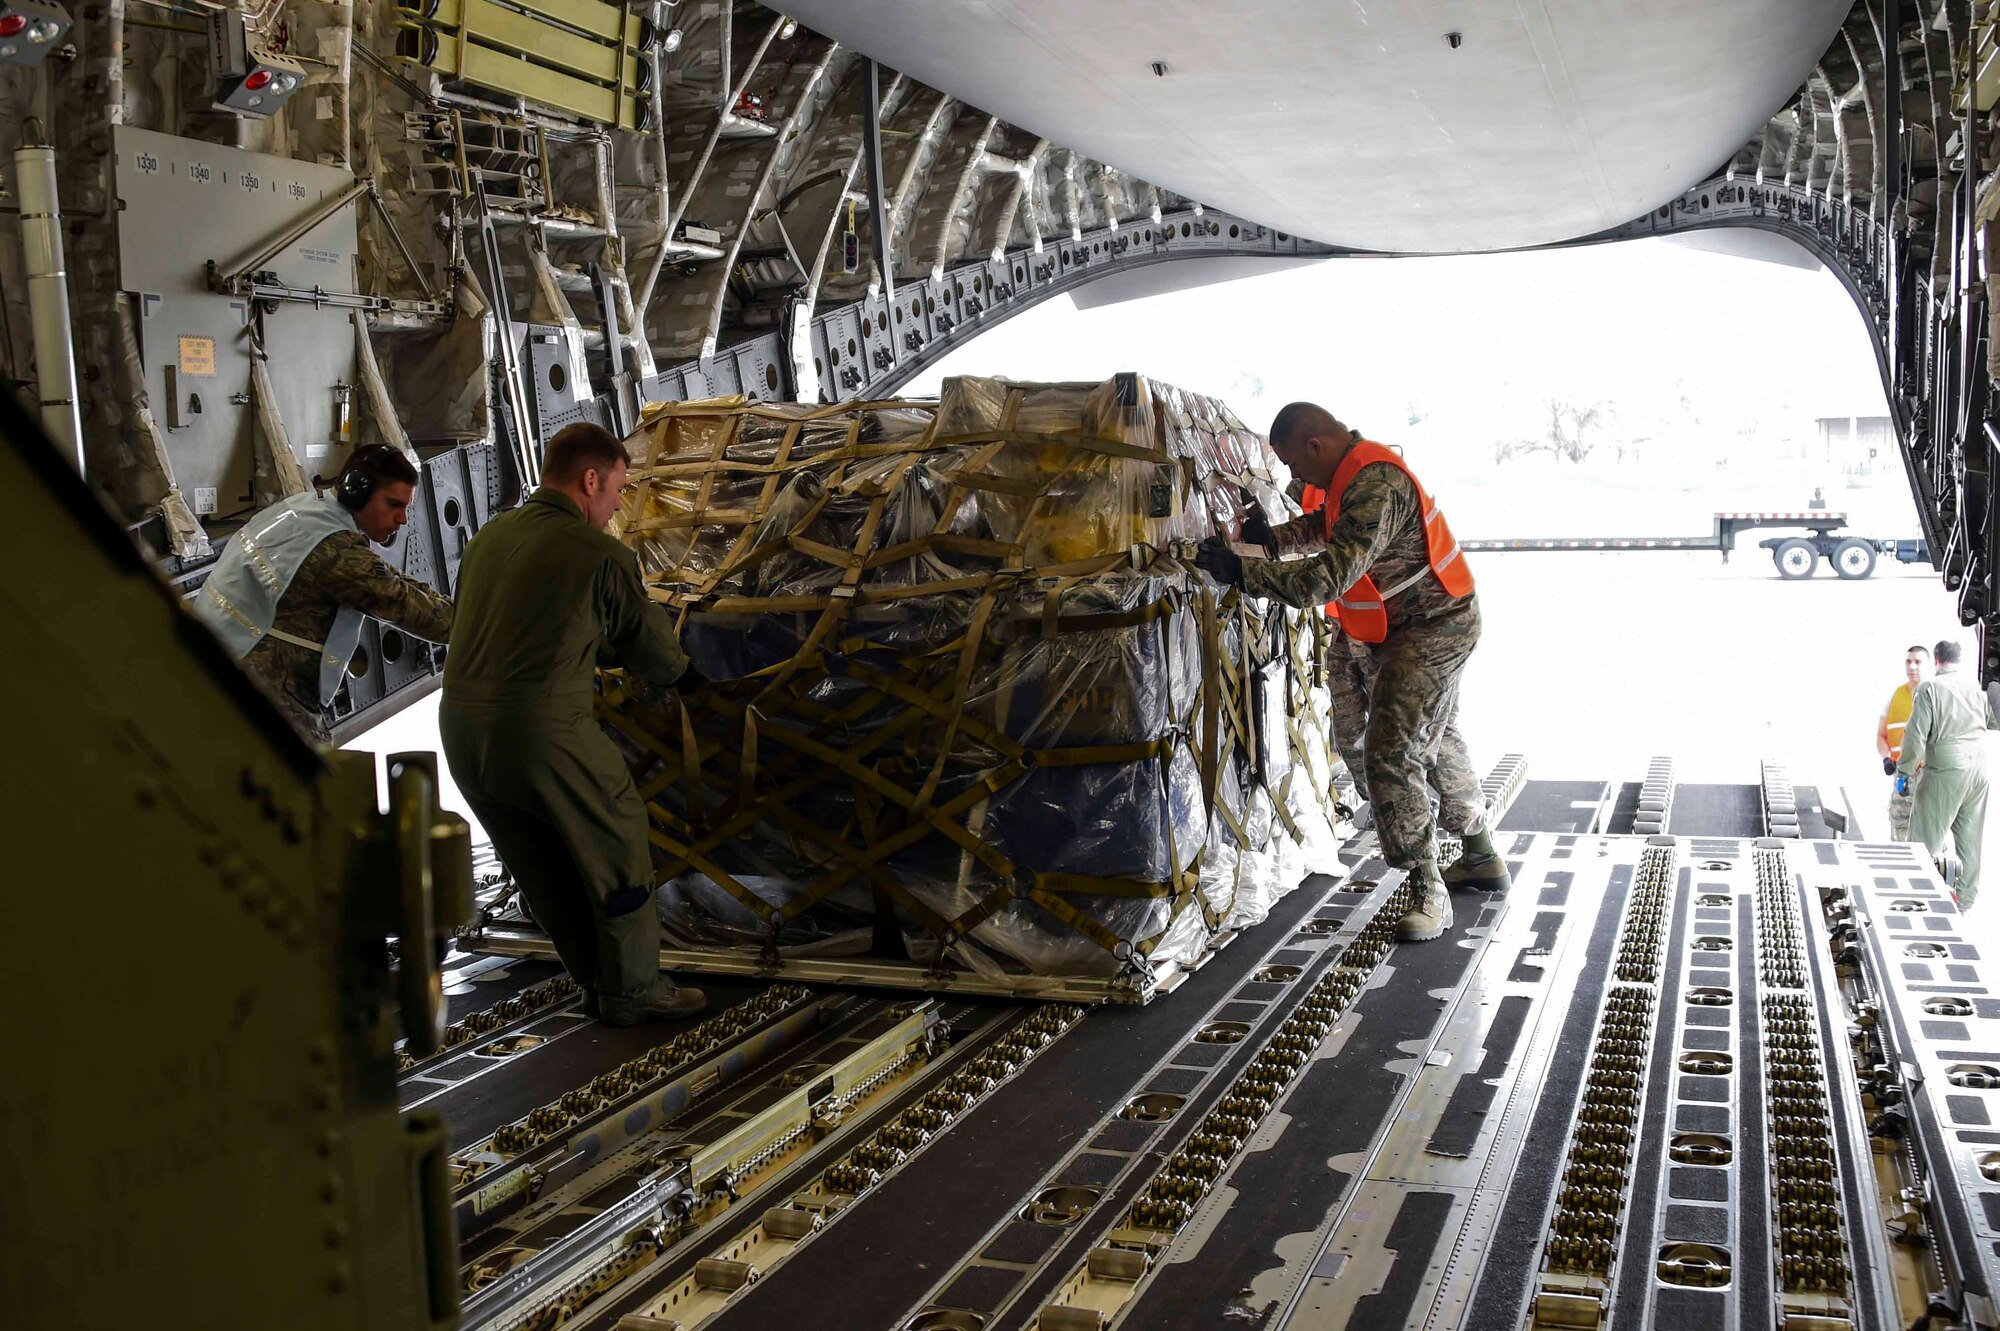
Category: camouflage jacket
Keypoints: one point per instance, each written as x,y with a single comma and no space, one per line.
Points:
340,571
1380,532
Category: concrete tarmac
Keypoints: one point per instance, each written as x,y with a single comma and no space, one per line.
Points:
1592,663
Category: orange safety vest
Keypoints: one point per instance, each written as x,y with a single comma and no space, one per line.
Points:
1362,609
1896,719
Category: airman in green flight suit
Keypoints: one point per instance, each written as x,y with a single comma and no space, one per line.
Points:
545,595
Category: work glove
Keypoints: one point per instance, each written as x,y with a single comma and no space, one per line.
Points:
1216,559
1888,767
1257,529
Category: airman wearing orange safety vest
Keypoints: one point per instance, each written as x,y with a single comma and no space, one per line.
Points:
1361,609
1379,555
1889,735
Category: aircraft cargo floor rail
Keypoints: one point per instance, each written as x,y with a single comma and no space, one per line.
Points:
1685,1079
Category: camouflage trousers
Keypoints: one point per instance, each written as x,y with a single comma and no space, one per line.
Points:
283,685
1899,816
1395,723
1348,675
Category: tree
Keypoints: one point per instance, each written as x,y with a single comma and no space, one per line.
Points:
1571,427
1568,436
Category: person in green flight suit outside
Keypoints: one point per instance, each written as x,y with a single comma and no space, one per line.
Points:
545,596
1946,739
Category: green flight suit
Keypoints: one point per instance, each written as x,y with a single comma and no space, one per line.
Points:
1946,736
543,598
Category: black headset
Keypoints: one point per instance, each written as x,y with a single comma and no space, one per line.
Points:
359,479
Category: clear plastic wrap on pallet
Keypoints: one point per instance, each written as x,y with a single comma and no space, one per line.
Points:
967,696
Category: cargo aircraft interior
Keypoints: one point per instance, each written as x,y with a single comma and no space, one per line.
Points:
1056,968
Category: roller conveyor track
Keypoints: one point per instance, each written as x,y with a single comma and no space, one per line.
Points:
821,1186
951,1202
477,1093
691,1188
614,1185
1925,988
474,983
487,997
1153,1176
1392,1134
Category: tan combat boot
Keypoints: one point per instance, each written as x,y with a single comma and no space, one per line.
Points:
1479,866
1431,916
668,1003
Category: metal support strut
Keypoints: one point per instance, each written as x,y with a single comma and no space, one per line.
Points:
48,292
521,415
878,212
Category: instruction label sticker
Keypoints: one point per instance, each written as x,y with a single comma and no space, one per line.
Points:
198,356
499,1191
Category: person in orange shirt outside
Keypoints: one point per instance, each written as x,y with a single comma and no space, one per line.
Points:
1889,736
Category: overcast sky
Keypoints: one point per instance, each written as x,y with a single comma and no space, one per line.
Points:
1720,364
1474,340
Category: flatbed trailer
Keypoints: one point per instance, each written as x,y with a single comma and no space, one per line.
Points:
1796,556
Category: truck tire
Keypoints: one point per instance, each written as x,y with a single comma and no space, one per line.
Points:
1795,559
1853,558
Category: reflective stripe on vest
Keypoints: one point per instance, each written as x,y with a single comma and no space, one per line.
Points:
1363,609
240,599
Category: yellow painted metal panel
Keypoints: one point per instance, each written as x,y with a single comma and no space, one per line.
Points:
532,57
491,25
599,20
590,16
538,83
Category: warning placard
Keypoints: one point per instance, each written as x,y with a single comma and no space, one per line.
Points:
198,356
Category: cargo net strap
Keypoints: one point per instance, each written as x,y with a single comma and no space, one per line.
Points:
959,670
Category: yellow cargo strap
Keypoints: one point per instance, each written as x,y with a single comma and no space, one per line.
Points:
751,751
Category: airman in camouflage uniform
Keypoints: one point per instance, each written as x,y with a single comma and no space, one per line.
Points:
340,571
1350,664
1350,678
1411,740
288,595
